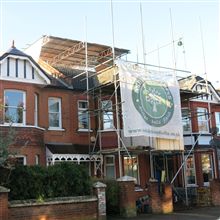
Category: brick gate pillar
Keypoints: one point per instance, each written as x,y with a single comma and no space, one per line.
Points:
99,190
155,199
127,198
215,192
4,203
167,200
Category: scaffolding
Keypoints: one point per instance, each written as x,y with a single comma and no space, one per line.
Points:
94,61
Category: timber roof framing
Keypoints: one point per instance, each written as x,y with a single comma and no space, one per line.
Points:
65,52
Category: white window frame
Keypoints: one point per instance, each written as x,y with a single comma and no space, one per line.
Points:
24,158
83,111
200,111
210,169
193,168
24,106
37,159
188,120
138,173
217,121
106,112
110,165
36,102
60,114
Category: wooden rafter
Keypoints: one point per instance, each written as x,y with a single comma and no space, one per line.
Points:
70,51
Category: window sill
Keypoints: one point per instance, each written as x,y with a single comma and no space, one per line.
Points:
202,133
206,184
108,130
21,126
56,129
84,130
192,185
187,132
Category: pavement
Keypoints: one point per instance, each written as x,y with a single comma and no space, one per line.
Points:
209,213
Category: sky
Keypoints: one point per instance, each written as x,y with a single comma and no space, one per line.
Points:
163,23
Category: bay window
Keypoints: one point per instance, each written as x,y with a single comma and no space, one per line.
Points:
36,100
14,106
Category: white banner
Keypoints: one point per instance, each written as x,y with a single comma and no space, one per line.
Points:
150,102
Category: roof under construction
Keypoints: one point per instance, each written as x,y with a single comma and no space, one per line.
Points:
58,51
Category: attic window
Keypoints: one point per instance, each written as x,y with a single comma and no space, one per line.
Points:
8,66
25,70
32,72
16,67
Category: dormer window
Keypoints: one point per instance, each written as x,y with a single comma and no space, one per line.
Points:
14,107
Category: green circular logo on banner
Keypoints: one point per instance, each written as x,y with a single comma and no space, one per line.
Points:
154,101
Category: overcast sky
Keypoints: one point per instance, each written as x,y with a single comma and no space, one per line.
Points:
26,21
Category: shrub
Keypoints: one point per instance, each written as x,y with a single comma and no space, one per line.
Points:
67,179
26,182
60,180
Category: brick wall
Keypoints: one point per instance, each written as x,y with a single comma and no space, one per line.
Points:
74,209
66,208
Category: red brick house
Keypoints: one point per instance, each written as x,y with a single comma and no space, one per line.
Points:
200,118
48,109
40,109
60,116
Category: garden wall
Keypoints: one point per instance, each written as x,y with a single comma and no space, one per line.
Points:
67,208
78,208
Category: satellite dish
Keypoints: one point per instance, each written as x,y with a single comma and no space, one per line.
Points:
180,43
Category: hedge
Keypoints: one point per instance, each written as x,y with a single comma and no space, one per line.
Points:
60,180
